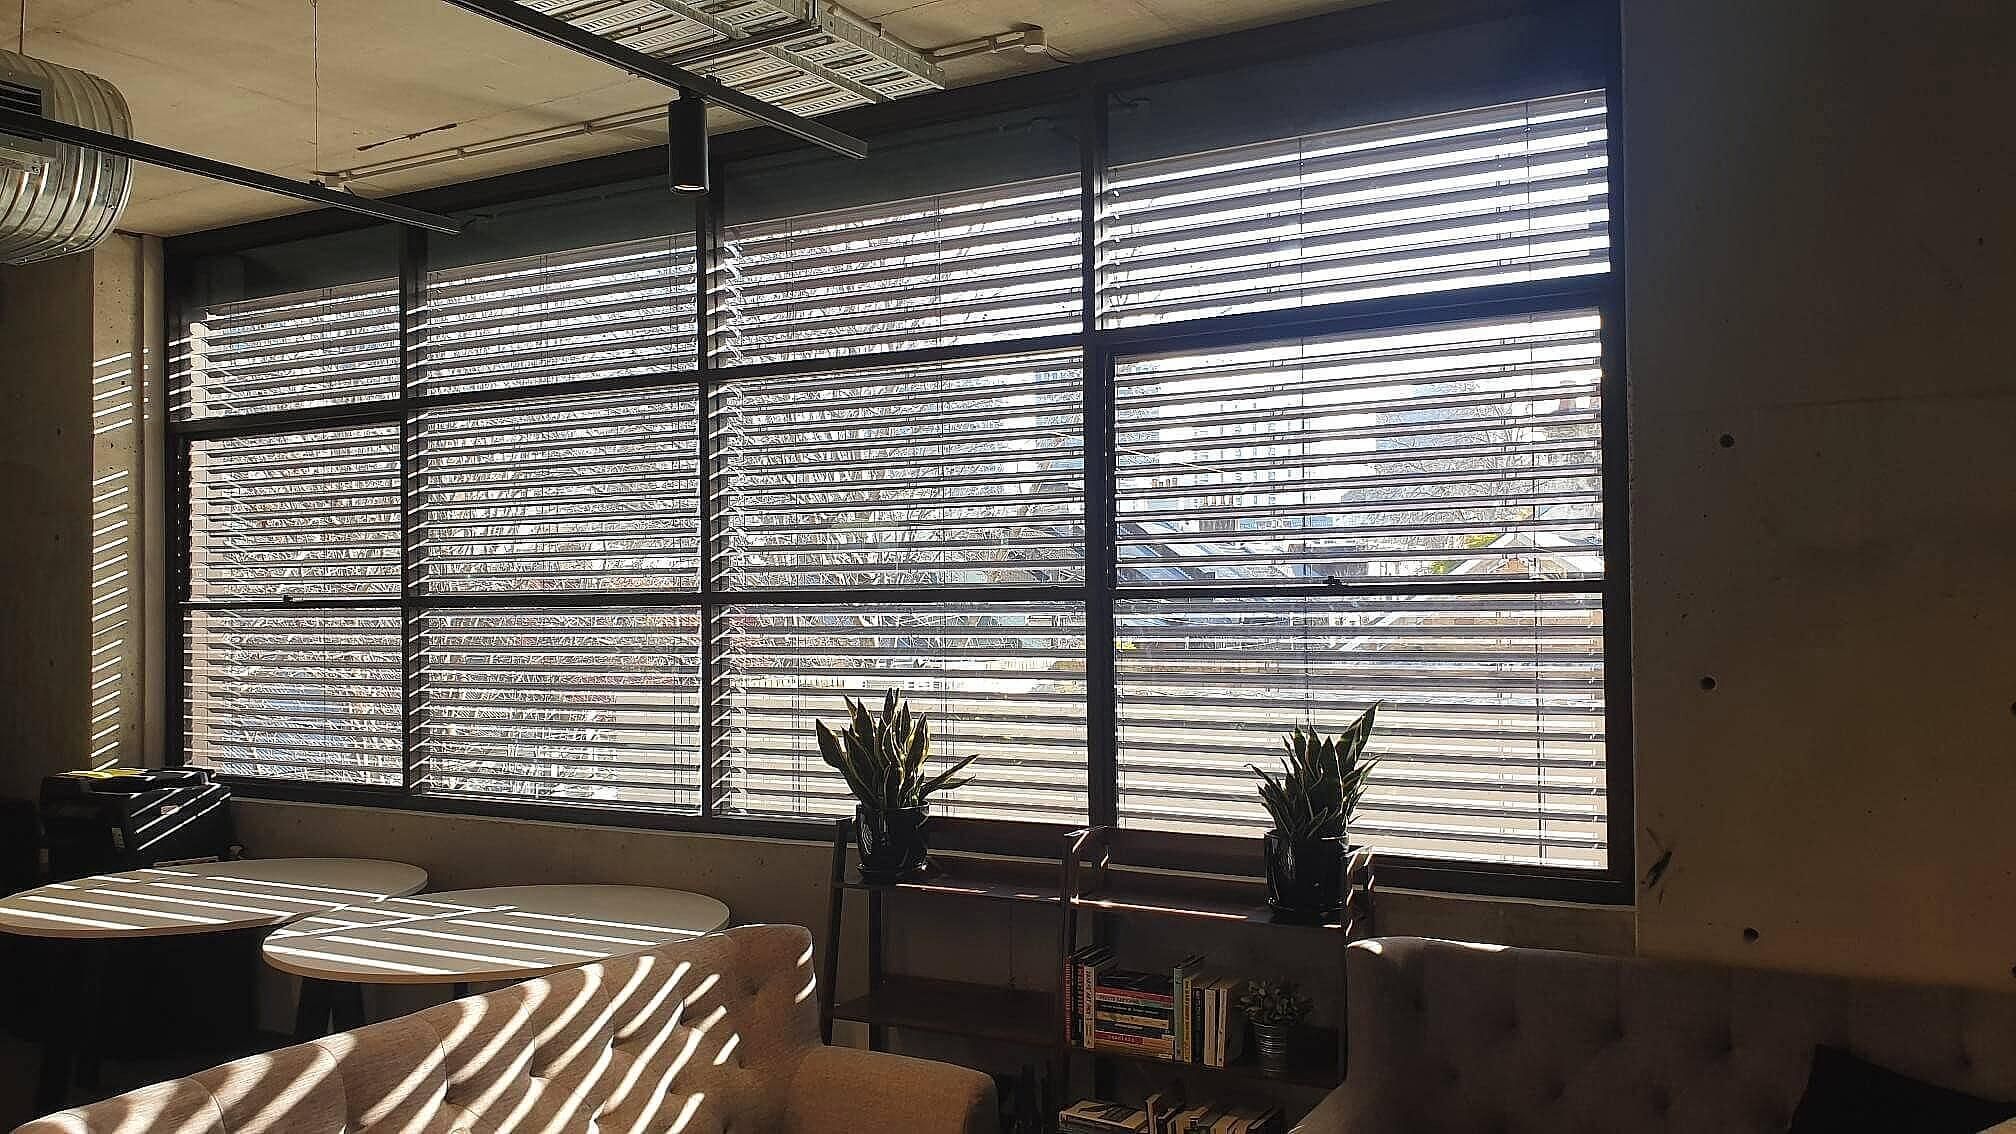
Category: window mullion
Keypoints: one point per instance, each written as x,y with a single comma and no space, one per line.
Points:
1102,764
412,293
705,211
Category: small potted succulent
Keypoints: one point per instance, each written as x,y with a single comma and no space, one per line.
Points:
883,762
1311,801
1276,1010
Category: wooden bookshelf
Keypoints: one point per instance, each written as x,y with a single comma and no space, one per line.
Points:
1089,876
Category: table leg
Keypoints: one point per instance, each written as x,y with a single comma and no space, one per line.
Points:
346,1007
70,1053
311,1010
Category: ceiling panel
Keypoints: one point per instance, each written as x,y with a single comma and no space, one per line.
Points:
236,80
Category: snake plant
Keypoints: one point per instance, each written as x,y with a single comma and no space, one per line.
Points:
1322,778
883,758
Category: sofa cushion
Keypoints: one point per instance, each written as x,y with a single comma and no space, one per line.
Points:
1471,1039
718,1035
1846,1095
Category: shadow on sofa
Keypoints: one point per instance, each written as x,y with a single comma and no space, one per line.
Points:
712,1036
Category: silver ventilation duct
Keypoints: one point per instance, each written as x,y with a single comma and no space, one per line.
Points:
57,199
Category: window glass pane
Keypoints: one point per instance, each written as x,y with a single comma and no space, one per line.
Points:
1452,451
294,696
954,234
1004,681
1512,192
290,326
611,310
591,493
958,474
1491,730
583,706
295,515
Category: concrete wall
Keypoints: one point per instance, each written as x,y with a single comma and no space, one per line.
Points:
128,545
1822,273
46,346
80,351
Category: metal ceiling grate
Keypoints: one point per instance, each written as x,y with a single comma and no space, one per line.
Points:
836,63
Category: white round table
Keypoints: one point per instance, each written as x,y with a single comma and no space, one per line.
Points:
466,936
163,901
209,897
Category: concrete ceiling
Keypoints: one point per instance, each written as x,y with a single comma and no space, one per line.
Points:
235,80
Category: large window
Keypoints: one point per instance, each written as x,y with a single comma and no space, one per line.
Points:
1284,406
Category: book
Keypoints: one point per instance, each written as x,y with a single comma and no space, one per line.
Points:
1081,972
1094,1116
1180,978
1215,1118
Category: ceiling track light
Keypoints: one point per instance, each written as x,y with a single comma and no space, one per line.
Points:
686,144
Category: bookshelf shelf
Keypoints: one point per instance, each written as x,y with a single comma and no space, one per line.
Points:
1032,882
947,1007
1315,1065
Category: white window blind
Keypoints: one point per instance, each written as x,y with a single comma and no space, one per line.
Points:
587,493
1453,451
1493,195
957,474
970,266
1492,728
294,696
302,515
598,312
1456,453
330,346
584,706
1005,681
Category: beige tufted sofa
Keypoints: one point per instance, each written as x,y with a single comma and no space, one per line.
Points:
719,1035
1448,1038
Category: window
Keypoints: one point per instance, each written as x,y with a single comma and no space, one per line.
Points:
1302,401
1417,460
1446,201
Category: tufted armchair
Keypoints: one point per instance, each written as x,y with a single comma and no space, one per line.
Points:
718,1035
1447,1038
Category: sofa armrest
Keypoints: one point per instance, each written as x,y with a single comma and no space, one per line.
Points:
843,1089
1331,1116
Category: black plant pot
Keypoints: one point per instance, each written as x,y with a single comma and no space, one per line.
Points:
1305,879
891,842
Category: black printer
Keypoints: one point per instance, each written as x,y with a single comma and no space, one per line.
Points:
126,818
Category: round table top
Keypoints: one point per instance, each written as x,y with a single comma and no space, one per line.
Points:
203,897
504,933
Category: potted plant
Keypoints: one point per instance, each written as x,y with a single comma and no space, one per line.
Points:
1275,1009
883,762
1321,781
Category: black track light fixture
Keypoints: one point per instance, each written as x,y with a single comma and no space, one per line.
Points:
686,145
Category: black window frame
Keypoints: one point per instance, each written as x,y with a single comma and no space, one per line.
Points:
1089,88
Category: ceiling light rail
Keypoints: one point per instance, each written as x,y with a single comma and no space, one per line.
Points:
581,39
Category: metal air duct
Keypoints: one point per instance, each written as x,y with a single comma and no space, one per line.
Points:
57,199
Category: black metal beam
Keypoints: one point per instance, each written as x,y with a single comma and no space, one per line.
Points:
582,42
36,126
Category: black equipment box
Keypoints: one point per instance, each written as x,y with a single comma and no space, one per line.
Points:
124,819
163,996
